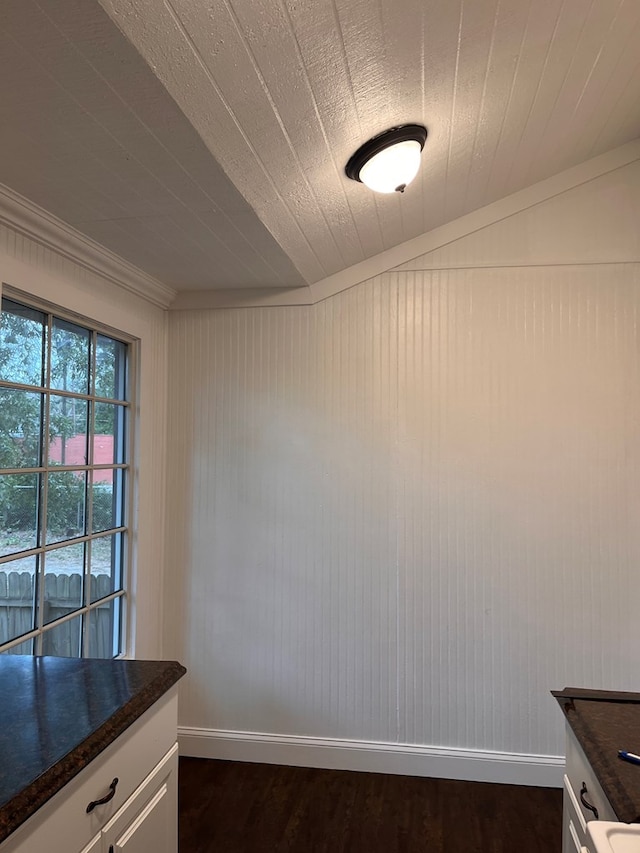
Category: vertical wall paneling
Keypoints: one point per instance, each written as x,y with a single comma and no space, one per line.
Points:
405,514
408,508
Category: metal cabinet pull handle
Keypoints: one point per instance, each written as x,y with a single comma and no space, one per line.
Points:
586,804
110,796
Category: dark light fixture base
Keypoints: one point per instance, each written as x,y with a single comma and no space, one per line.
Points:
403,133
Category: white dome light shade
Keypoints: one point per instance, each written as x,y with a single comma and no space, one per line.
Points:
389,162
395,166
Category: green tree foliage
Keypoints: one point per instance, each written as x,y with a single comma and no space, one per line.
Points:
65,504
19,429
23,353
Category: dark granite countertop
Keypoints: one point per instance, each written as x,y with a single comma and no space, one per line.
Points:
58,714
604,722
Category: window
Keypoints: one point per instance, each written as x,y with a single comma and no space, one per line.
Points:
64,479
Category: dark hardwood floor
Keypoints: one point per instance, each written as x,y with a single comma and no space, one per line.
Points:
234,807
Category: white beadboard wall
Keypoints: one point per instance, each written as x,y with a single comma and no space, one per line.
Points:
595,222
405,514
33,268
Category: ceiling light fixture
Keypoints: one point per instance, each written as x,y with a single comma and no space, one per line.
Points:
390,161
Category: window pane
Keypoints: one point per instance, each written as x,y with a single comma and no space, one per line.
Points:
70,357
64,571
63,640
109,438
22,344
104,630
107,554
47,509
108,499
66,497
111,364
67,431
18,512
17,597
20,422
25,648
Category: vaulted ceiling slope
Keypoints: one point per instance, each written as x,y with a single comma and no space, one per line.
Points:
205,140
91,135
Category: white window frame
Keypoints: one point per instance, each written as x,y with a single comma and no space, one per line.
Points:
128,466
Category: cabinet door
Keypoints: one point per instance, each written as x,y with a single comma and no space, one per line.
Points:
148,821
94,846
148,830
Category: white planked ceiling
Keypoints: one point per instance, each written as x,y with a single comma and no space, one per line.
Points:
205,140
91,135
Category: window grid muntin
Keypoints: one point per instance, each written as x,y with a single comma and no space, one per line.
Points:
124,381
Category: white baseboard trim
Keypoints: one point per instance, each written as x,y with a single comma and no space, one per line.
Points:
375,757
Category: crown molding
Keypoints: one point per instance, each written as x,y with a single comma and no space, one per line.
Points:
242,298
26,218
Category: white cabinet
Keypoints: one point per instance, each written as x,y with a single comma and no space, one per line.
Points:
148,821
141,811
95,845
582,794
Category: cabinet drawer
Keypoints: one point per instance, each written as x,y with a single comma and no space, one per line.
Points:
580,774
148,821
130,758
571,839
574,826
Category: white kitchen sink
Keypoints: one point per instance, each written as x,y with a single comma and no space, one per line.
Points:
608,837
